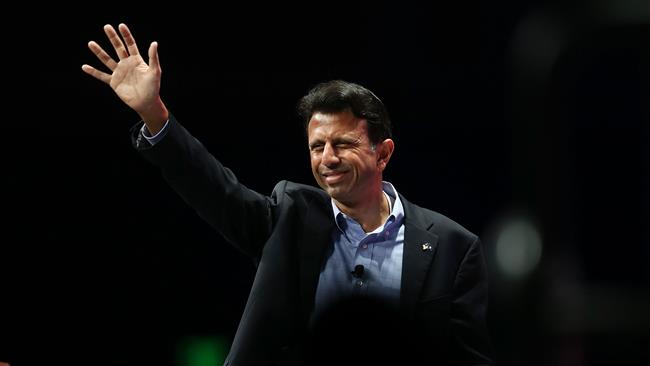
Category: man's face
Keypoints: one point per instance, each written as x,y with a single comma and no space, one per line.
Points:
343,160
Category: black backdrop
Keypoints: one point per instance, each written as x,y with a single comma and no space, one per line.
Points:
502,108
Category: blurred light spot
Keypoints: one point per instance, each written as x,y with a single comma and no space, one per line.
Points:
622,11
518,248
202,351
537,42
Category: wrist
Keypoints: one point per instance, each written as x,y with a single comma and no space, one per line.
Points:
155,116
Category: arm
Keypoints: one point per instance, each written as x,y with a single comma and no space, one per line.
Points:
243,216
469,307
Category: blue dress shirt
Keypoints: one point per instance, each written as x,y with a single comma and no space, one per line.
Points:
380,252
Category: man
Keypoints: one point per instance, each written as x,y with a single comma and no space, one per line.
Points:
351,263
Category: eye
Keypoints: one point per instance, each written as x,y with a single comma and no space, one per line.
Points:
316,148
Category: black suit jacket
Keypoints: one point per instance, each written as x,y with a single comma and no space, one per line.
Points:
443,286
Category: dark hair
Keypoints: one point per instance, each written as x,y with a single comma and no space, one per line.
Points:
338,96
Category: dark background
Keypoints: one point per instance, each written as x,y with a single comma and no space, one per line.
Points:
537,110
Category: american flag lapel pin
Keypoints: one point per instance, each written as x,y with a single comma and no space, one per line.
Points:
426,246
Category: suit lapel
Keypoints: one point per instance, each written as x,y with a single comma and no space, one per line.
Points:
419,249
420,246
314,241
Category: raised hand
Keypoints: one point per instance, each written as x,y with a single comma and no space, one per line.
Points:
133,80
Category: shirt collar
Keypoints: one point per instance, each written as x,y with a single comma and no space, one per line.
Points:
394,202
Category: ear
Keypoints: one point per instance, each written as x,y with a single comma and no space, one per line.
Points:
384,152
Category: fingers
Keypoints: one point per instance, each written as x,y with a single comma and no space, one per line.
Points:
154,62
128,38
102,76
102,55
116,42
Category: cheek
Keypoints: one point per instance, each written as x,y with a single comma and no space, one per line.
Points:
314,164
364,162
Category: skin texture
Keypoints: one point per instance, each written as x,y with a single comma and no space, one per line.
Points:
348,167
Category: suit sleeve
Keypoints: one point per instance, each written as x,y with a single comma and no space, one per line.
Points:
243,216
469,307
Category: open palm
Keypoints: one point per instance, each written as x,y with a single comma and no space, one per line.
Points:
133,80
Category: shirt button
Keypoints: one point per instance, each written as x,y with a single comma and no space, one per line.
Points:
364,246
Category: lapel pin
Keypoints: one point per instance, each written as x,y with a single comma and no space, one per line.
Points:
426,246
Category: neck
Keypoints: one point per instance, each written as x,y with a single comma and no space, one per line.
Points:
370,212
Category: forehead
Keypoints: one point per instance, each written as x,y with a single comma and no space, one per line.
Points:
323,125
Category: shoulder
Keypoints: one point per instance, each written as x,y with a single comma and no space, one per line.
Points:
436,222
300,192
293,188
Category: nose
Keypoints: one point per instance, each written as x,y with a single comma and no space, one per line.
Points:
330,157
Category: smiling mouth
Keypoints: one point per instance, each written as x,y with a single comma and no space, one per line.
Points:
333,177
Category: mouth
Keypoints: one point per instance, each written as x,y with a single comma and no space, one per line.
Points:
333,177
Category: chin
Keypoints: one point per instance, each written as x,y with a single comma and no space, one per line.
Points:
337,194
333,192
